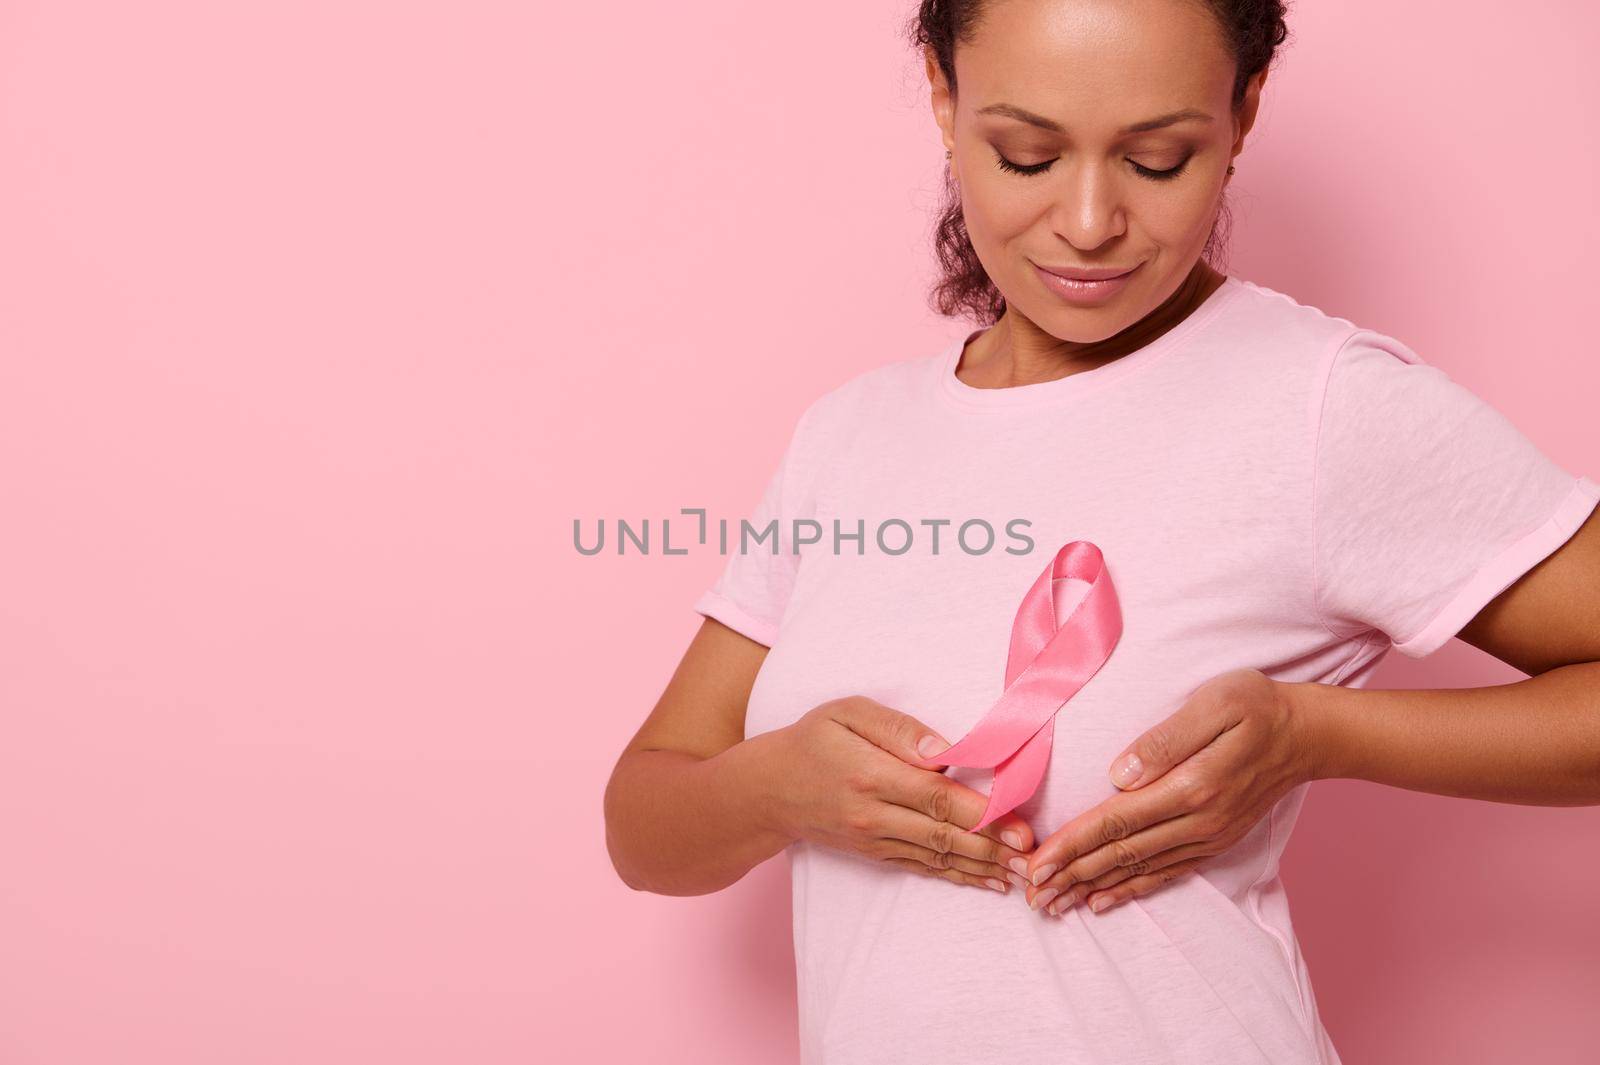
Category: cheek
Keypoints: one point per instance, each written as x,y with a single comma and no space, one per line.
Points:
995,209
1175,217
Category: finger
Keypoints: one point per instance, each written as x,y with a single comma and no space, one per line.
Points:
1134,854
893,730
937,796
1116,818
932,799
1078,892
1202,718
1011,830
1100,901
985,853
934,858
956,875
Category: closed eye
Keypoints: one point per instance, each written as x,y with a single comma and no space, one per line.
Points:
1143,171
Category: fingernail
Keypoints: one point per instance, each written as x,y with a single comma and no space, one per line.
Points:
1044,873
1020,865
997,884
929,746
1017,880
1099,904
1013,838
1128,769
1043,898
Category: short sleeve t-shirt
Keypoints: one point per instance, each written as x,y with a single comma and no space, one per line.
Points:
1271,487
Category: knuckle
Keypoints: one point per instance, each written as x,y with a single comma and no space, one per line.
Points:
1186,788
941,860
906,731
1157,746
939,802
980,845
859,820
1130,861
1114,826
1124,855
1170,873
942,837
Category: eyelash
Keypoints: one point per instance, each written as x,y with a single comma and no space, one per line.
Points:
1143,171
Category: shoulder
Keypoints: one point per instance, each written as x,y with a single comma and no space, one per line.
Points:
1303,352
875,394
1267,319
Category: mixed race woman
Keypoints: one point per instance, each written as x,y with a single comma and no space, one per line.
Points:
1278,497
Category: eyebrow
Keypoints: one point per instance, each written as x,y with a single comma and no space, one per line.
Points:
1021,115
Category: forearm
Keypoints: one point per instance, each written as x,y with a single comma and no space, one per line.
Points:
678,824
1535,741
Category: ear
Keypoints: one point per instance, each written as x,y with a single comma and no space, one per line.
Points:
944,105
1248,108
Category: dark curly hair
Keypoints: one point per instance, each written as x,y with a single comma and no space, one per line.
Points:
1253,30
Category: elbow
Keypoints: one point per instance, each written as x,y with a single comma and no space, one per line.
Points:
616,843
639,860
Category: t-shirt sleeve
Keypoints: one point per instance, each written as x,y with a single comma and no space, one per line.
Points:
753,589
1427,502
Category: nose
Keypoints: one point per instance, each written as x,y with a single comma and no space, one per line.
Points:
1089,211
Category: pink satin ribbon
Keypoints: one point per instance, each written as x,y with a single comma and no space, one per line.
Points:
1046,667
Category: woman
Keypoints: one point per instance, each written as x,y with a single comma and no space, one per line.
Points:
1280,498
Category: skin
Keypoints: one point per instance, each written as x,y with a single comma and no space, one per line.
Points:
692,806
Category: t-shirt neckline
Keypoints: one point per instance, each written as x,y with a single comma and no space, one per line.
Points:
1072,386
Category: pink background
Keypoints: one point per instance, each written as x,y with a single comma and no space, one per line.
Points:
319,325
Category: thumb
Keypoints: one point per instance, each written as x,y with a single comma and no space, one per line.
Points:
1192,726
893,730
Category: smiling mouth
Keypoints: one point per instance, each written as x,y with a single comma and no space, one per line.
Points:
1071,273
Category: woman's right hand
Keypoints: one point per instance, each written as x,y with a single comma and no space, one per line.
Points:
848,775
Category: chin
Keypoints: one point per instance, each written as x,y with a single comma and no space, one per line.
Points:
1085,326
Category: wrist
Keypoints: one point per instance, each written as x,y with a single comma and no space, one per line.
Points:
1315,716
762,768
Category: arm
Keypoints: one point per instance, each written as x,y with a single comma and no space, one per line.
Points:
686,811
1535,741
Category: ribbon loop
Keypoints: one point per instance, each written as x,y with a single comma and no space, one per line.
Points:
1046,666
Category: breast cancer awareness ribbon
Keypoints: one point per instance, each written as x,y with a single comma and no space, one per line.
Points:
1046,666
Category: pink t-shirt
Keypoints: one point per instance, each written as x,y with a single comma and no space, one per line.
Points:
1272,487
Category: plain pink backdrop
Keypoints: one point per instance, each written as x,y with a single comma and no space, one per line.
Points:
321,322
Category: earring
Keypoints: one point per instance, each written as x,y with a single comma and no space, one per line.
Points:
947,153
1230,169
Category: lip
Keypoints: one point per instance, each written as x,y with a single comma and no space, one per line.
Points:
1084,287
1075,274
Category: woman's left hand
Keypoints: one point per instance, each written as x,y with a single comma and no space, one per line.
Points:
1203,778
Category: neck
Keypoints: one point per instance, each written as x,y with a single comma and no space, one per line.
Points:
1016,352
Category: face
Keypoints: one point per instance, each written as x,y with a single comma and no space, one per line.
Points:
1051,173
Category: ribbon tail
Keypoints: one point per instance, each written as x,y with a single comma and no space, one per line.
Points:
1018,777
